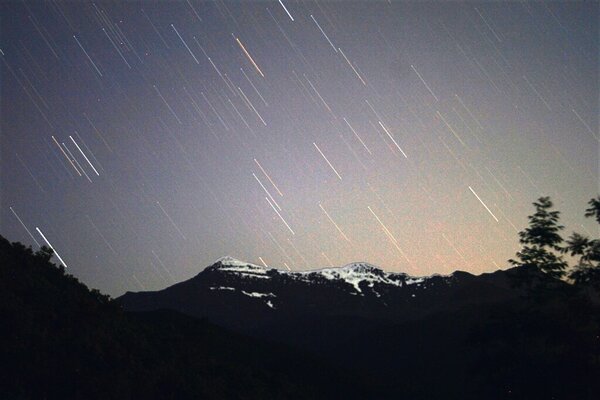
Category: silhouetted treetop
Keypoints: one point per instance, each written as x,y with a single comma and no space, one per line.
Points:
594,209
587,270
541,239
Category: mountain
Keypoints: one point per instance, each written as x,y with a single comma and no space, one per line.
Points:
241,295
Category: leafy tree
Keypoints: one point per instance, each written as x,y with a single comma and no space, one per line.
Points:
45,253
594,210
587,270
540,241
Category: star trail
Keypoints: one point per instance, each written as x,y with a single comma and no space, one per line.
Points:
144,140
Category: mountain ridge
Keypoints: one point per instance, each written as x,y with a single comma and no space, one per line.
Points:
238,294
360,268
235,262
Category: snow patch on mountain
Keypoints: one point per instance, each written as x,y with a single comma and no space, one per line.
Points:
259,295
231,261
230,264
221,288
255,275
418,280
354,274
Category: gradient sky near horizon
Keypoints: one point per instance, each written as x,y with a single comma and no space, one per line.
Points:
144,140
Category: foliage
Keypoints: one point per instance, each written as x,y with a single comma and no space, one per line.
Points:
594,209
540,241
587,270
542,245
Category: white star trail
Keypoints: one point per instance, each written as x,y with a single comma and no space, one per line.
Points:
286,10
66,156
425,83
249,57
266,191
24,227
324,34
84,156
50,245
352,66
185,44
279,215
268,177
392,139
389,234
333,222
328,163
88,56
483,204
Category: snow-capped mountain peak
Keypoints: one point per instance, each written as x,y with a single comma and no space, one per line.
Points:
231,261
232,287
355,274
362,267
231,264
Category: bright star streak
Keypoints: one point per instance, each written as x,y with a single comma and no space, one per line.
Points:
268,177
393,140
36,242
250,57
352,66
358,137
263,261
265,189
482,203
333,222
84,156
279,215
424,83
49,245
334,170
286,10
66,156
87,55
389,234
185,44
324,34
76,162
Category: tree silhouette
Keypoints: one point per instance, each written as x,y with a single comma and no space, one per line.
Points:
540,241
45,253
594,210
587,270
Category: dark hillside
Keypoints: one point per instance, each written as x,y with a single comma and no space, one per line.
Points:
61,340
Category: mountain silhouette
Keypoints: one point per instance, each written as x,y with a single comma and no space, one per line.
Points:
242,295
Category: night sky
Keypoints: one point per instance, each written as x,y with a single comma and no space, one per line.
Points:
144,140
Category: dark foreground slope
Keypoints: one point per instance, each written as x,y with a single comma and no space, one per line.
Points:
59,340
